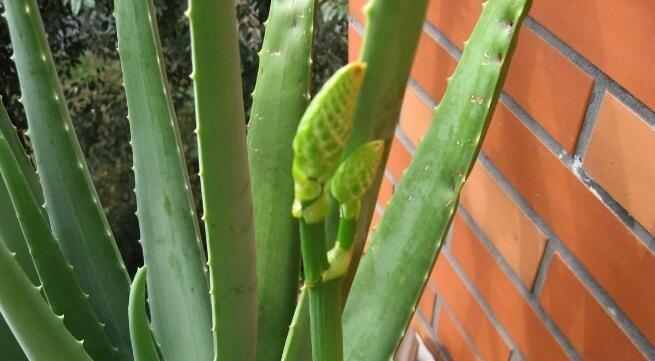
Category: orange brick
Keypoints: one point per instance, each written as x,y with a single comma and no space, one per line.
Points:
432,66
426,303
355,7
549,87
452,339
617,36
584,322
386,191
514,235
605,246
620,159
354,43
399,158
455,18
466,309
512,310
415,116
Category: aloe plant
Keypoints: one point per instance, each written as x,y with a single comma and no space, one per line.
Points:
315,168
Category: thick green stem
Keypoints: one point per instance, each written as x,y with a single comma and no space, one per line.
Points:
324,298
227,200
346,233
314,254
325,317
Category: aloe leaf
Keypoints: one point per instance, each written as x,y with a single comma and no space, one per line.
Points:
298,344
394,270
140,332
225,179
62,289
10,232
40,332
11,350
76,216
10,133
280,98
178,292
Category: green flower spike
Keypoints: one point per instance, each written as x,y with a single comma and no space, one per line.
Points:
321,138
351,181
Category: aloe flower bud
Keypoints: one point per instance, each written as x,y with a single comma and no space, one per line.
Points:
355,176
325,127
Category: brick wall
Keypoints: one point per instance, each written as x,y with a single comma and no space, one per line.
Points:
552,254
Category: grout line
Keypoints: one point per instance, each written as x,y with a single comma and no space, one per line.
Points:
522,290
605,301
591,115
542,271
435,322
515,357
557,245
379,208
534,127
463,332
613,87
442,40
432,333
406,142
482,303
361,30
449,237
516,198
437,311
574,165
425,97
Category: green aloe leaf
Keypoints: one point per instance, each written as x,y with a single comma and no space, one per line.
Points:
280,98
140,332
62,289
394,270
225,179
298,344
10,232
23,306
76,216
178,292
